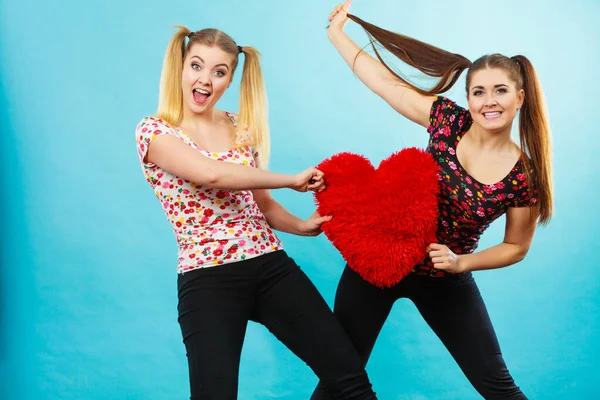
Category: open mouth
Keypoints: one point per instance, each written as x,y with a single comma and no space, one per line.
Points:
200,95
492,115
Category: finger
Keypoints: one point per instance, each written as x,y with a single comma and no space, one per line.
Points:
441,265
321,220
315,184
319,183
335,11
437,259
438,253
435,246
347,5
317,176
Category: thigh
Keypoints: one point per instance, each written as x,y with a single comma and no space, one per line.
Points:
290,306
362,309
456,312
214,307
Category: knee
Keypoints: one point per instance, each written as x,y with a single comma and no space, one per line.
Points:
493,381
213,385
351,387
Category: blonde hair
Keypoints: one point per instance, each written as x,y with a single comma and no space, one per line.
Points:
252,125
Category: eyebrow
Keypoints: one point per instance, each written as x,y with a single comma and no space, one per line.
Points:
495,86
218,65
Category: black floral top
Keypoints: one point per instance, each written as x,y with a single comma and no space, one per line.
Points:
467,207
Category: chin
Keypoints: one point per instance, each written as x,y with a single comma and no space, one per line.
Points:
492,125
198,109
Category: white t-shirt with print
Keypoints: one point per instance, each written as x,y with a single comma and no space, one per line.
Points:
212,226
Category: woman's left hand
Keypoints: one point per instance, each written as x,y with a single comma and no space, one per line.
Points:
445,259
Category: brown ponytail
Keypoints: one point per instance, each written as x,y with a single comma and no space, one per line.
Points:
428,59
534,132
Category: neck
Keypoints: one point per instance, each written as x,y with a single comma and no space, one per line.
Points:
491,140
204,118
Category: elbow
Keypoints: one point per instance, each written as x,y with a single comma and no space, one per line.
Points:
515,252
209,178
520,253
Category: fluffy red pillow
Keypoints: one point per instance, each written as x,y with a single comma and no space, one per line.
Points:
384,218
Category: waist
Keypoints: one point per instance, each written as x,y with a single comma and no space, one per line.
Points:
222,229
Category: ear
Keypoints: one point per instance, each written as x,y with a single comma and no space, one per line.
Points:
520,98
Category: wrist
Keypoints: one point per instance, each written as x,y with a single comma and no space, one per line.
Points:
334,33
300,227
464,264
290,181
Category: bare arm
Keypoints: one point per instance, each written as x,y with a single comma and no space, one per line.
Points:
279,218
179,159
401,97
518,236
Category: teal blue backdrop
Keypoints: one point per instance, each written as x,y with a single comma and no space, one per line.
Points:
87,285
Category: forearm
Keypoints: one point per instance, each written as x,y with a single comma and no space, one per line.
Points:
498,256
179,159
225,175
280,219
368,69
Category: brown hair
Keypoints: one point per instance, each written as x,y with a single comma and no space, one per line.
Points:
534,129
253,98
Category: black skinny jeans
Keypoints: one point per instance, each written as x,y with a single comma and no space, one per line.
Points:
216,303
451,306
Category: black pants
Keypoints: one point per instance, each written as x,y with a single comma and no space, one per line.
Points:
215,305
451,306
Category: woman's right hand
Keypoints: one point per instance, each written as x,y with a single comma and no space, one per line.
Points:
310,179
339,17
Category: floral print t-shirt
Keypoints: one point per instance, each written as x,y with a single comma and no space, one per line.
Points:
212,226
467,207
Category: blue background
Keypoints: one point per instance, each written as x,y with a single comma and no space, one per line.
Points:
87,285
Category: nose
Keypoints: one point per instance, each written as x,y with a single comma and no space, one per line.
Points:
204,77
490,101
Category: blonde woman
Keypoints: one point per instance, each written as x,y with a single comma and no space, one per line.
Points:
206,167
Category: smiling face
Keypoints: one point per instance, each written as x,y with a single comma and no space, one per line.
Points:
494,98
207,73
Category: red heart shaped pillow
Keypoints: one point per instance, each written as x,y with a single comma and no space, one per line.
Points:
384,218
